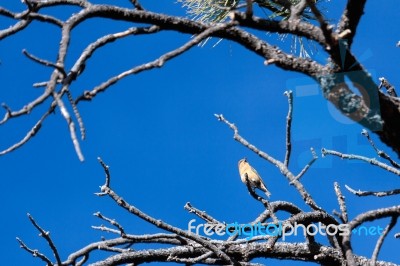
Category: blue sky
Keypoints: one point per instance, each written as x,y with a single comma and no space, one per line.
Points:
157,132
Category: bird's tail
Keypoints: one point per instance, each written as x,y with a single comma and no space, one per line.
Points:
266,191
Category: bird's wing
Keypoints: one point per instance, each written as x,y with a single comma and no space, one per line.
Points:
244,176
254,170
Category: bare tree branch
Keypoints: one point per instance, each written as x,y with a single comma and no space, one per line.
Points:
351,17
372,215
342,203
91,48
154,64
377,193
136,4
380,153
130,208
372,161
43,62
325,27
77,114
297,10
382,237
71,125
289,94
307,166
202,214
389,87
298,28
365,217
34,252
112,222
35,129
46,236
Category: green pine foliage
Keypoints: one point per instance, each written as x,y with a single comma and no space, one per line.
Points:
215,11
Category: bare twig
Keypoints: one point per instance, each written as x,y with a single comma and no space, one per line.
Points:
106,229
106,169
116,250
77,114
35,129
249,8
373,193
382,237
202,214
27,108
14,29
350,18
44,62
338,215
389,87
307,166
191,260
40,84
7,13
297,10
136,4
372,161
342,203
372,215
380,153
289,116
91,48
71,125
35,253
46,236
112,222
46,18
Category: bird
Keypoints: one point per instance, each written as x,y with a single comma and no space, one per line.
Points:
249,174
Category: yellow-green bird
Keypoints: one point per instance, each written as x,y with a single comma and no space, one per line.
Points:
249,173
